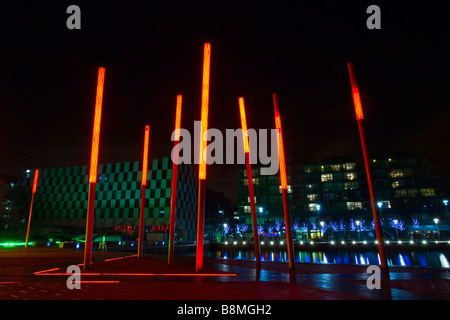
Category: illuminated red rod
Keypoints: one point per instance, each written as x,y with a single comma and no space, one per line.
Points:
33,192
375,212
93,169
143,185
202,165
173,195
283,178
250,181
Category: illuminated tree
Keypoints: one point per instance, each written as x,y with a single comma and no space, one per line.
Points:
334,226
295,227
352,225
304,227
342,226
277,225
260,229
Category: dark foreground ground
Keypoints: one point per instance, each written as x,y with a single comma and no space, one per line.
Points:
41,274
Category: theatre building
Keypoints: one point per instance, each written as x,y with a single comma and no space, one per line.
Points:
62,197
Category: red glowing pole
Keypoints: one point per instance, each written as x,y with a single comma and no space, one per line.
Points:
250,182
143,185
173,195
202,165
375,212
93,169
283,178
33,192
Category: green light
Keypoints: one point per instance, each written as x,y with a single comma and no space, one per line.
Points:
14,244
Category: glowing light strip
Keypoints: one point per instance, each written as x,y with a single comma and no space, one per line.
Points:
244,125
145,158
178,117
97,121
119,258
355,93
280,144
205,100
36,175
141,274
47,270
96,281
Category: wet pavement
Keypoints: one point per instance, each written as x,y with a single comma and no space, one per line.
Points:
41,274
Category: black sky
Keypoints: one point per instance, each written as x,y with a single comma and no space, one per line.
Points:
152,51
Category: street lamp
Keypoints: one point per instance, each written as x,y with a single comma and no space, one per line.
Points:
446,210
321,224
436,221
396,227
260,210
358,230
380,204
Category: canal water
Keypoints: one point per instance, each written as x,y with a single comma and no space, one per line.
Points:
430,259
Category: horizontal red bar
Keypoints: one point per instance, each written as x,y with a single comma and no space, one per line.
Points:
141,274
118,258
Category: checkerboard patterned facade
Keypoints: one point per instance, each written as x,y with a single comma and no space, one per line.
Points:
62,196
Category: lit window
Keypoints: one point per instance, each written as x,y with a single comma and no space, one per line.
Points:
395,184
246,209
312,207
349,166
354,205
351,185
335,167
311,197
405,193
327,177
350,176
428,192
397,173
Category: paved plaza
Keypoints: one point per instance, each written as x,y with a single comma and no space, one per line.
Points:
41,274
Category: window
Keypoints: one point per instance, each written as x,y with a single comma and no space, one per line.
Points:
405,193
329,196
312,207
335,167
428,192
397,173
350,175
349,166
395,184
326,177
385,204
351,185
354,205
312,197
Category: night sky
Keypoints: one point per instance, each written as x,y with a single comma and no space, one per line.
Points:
152,51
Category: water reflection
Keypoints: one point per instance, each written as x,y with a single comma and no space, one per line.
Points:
432,259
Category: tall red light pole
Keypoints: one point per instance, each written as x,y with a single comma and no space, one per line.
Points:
283,178
250,182
93,169
173,195
33,192
143,185
202,164
375,212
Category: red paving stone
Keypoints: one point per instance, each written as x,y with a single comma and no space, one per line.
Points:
235,280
